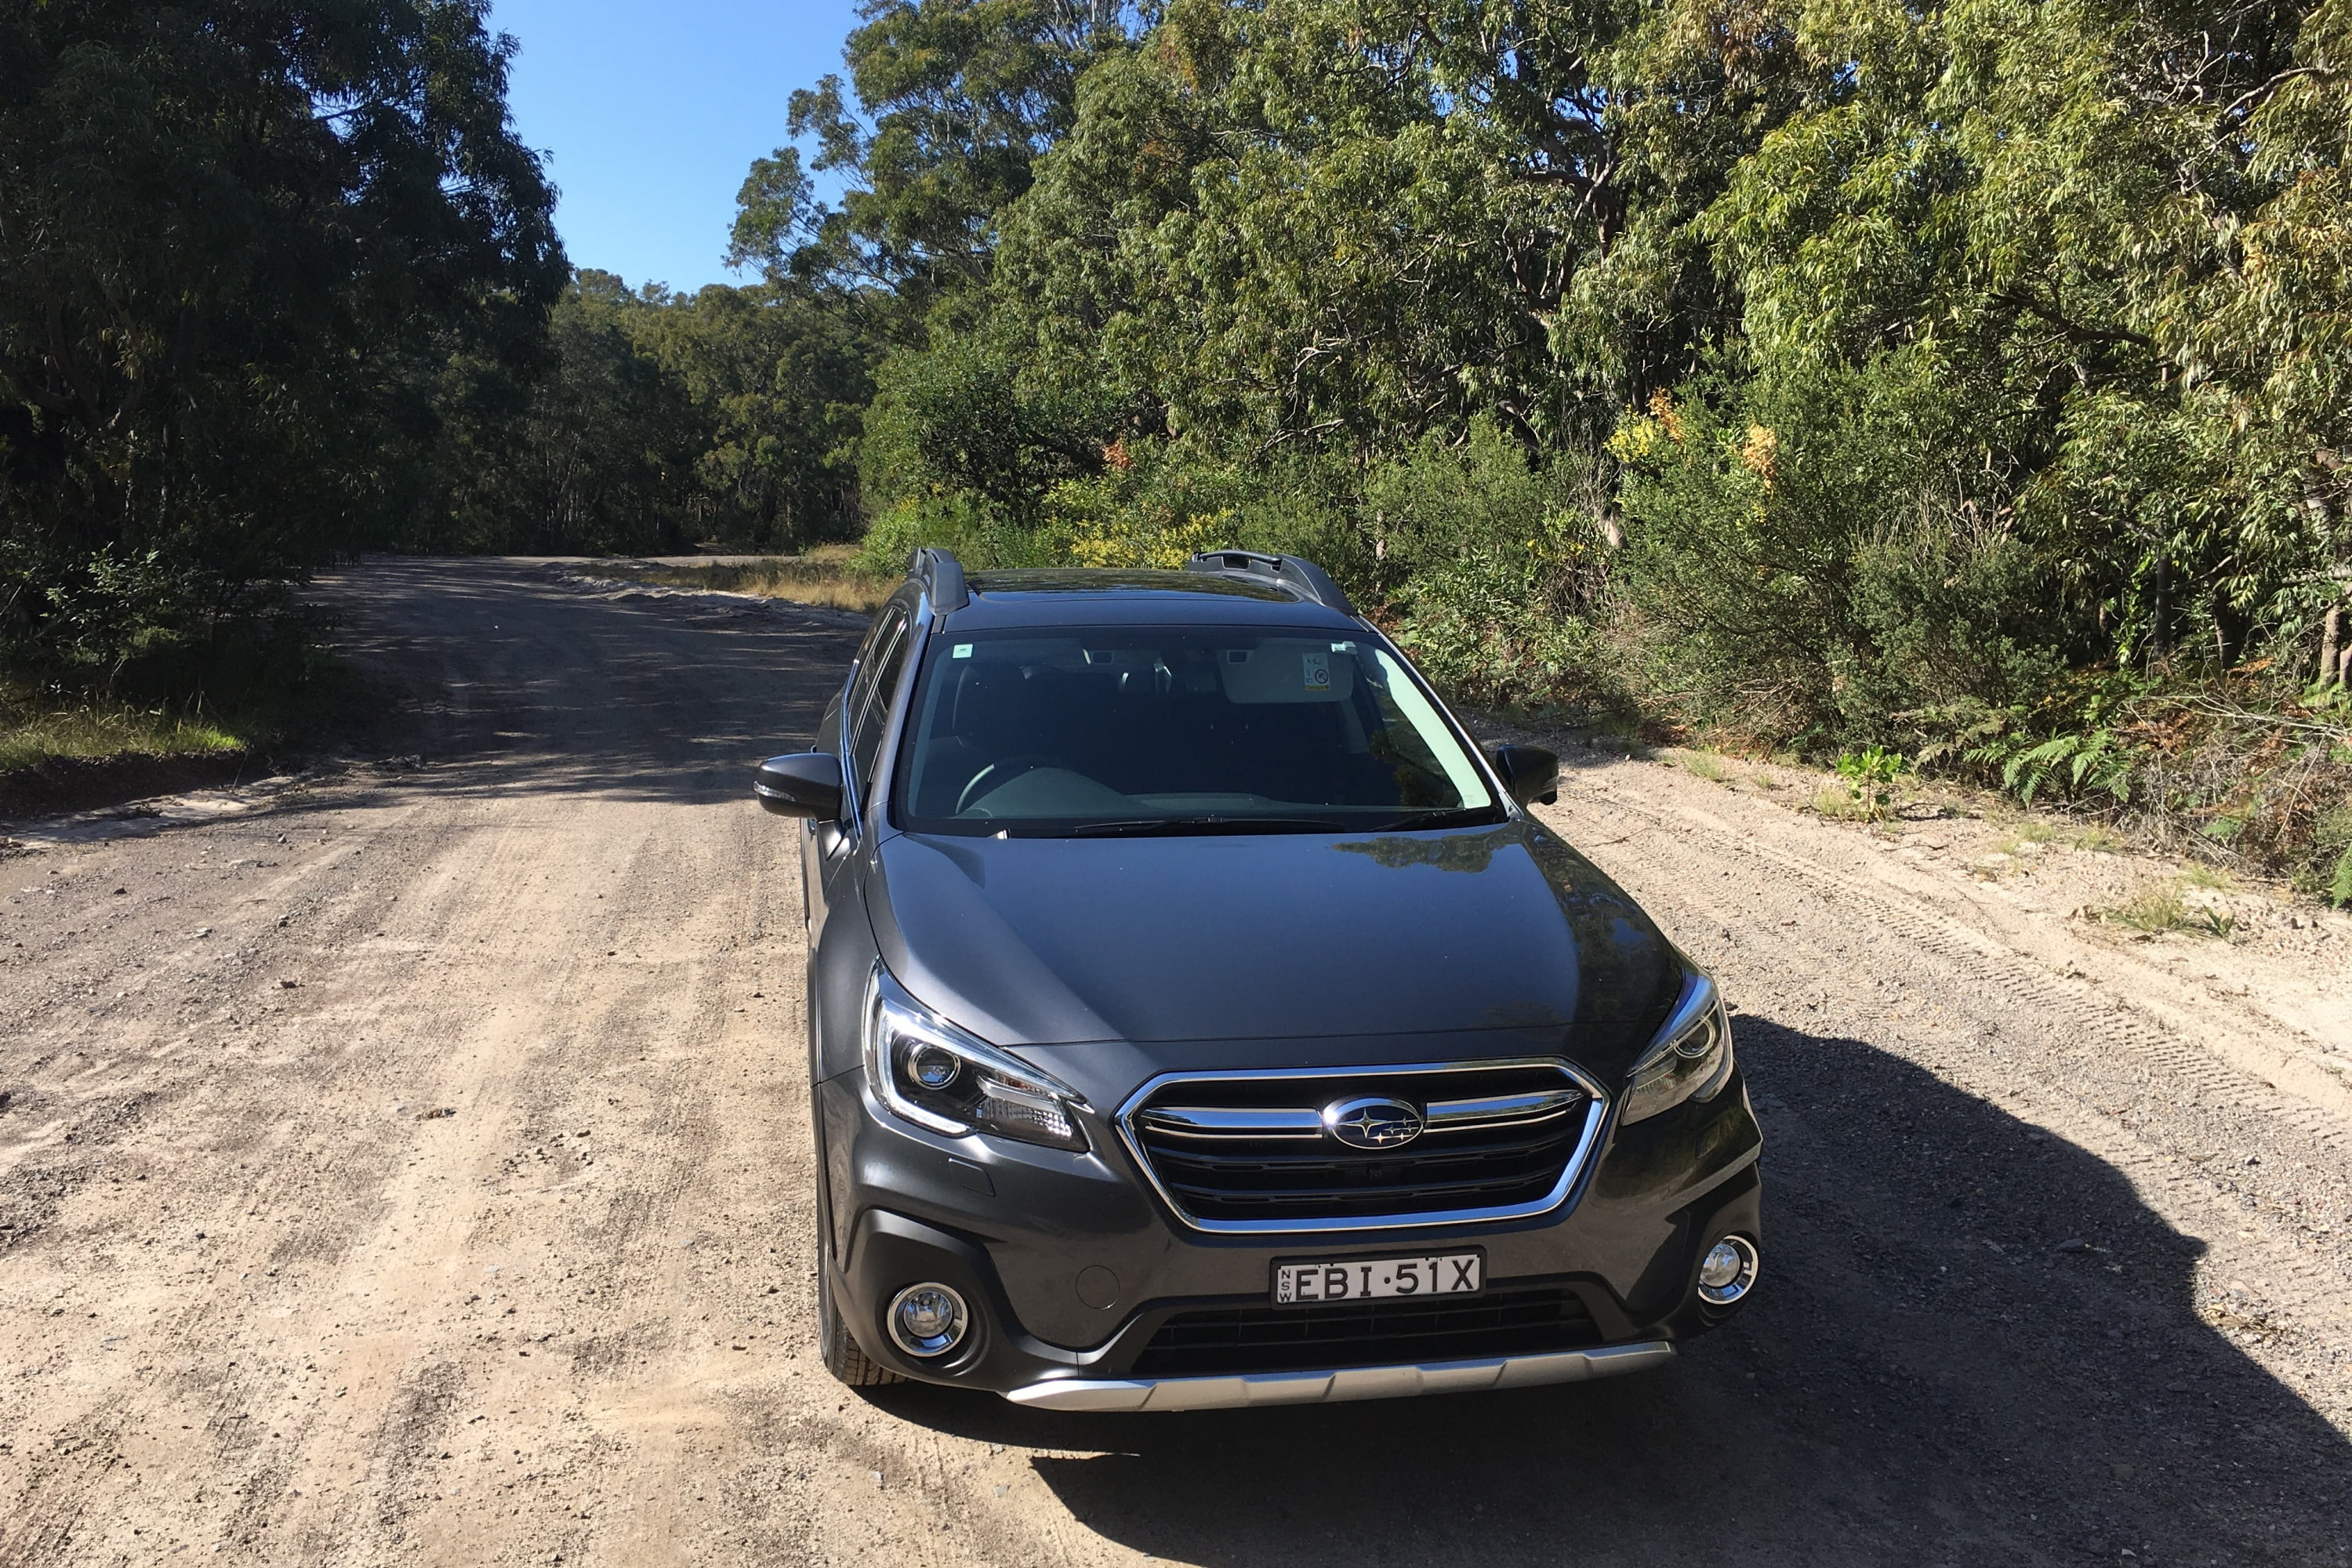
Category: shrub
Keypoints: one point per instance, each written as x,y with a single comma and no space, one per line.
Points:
1809,560
1870,776
1492,568
2331,840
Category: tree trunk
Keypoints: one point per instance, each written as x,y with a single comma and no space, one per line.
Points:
2331,649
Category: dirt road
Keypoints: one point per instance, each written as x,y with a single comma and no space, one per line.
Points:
413,1169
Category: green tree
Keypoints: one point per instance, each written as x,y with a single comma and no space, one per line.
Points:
781,374
659,419
1354,224
962,420
2107,216
600,454
237,245
955,100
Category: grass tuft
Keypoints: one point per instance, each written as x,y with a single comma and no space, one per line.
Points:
2158,907
829,575
33,732
1841,805
2154,910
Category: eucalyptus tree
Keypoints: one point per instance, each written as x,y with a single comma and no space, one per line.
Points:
953,101
238,243
2115,226
2023,324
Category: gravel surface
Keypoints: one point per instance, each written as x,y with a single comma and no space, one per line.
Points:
413,1167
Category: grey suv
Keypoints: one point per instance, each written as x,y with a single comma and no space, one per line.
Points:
1198,1018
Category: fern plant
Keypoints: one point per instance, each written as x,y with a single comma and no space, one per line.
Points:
2089,763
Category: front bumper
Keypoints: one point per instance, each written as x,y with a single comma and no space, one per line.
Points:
1247,1389
1074,1270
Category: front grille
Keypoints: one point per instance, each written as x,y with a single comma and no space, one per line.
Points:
1233,1339
1252,1152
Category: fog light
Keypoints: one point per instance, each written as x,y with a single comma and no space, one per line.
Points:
928,1319
1727,1272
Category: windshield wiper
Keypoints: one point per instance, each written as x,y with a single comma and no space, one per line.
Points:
1450,816
1141,826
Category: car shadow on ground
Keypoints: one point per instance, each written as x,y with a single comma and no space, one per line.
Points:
1924,1375
1929,1372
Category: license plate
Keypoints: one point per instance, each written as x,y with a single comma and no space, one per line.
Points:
1370,1278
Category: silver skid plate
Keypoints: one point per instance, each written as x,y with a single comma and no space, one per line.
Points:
1351,1383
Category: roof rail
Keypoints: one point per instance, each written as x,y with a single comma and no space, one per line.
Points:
942,575
1291,571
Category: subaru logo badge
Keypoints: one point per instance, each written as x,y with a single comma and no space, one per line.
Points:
1375,1121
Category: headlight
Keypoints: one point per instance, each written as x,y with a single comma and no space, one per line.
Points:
1692,1057
936,1075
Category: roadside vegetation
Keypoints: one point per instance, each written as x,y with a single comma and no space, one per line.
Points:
836,576
1960,392
32,732
244,251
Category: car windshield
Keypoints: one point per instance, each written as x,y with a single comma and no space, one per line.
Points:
1149,730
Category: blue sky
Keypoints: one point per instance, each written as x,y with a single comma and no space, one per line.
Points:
651,113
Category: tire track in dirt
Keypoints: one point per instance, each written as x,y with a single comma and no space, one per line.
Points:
512,1331
1973,956
2089,1057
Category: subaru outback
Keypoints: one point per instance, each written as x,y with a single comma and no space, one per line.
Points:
1198,1018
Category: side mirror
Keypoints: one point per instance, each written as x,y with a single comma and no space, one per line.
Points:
1530,773
805,784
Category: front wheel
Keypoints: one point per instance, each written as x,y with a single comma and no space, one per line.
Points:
843,1357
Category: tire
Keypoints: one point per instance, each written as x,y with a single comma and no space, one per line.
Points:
843,1357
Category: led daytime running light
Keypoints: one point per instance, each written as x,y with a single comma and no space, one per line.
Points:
1690,1058
927,1071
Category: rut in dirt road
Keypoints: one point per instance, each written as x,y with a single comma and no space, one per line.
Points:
415,1170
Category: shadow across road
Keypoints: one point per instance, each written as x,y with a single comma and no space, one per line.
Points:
1924,1376
509,676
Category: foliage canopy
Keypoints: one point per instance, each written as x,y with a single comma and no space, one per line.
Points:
1944,379
238,244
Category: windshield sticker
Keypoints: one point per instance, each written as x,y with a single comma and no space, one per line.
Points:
1318,670
960,651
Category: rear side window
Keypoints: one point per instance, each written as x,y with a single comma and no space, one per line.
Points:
871,701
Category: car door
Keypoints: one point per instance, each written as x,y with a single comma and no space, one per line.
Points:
831,847
821,842
841,954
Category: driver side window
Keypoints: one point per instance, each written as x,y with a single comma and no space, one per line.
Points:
876,681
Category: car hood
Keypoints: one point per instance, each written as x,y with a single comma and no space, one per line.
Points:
1275,949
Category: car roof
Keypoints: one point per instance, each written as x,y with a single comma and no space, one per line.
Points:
1071,597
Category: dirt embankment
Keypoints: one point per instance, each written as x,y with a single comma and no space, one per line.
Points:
413,1168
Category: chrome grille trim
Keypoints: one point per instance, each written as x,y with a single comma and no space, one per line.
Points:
1498,1110
1219,1121
1596,1116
